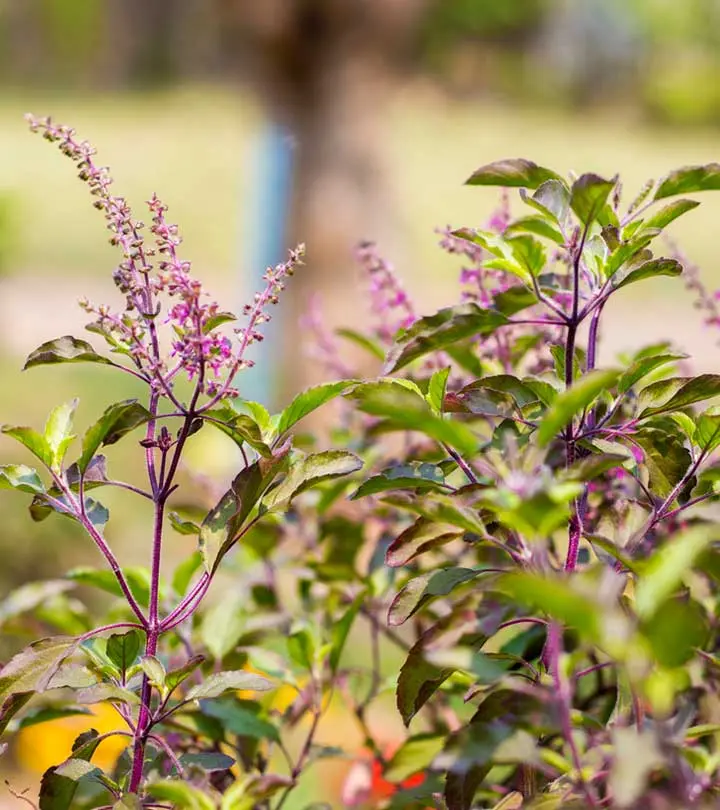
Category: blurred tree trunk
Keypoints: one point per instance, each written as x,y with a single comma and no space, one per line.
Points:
326,69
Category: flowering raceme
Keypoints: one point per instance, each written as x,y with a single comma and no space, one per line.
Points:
199,350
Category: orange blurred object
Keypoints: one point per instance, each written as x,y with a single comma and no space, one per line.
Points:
41,746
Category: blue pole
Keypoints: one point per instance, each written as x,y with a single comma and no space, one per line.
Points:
266,241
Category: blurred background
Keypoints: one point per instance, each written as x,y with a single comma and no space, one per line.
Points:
266,123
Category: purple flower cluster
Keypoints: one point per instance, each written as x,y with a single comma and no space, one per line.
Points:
198,348
389,301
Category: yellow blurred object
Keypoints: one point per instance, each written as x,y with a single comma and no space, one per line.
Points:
46,744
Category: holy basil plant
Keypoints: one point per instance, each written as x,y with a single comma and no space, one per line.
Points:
557,568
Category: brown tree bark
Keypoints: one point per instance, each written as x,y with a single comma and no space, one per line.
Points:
327,70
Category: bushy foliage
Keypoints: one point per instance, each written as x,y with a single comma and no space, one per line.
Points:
527,528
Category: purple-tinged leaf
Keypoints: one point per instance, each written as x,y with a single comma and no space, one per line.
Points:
512,173
65,349
689,179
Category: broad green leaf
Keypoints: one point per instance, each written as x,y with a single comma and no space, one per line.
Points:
415,755
181,794
422,589
535,225
241,719
222,625
690,179
138,579
175,677
308,471
221,682
651,269
58,432
513,172
218,319
155,670
418,680
35,442
707,432
117,421
555,597
676,630
445,327
422,536
528,253
58,791
225,521
30,670
407,411
551,197
101,692
308,401
65,349
677,393
572,401
123,649
588,196
208,761
521,392
21,478
669,213
240,427
643,366
405,476
184,572
667,566
47,714
436,389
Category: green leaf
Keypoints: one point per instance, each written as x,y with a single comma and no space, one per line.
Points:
58,791
669,213
117,421
445,327
47,714
643,366
415,755
240,427
535,225
175,677
364,342
308,401
690,179
528,253
35,442
58,432
301,647
21,478
65,349
651,269
513,172
184,572
223,524
238,718
101,692
677,393
408,411
422,536
308,471
181,526
424,588
667,566
221,682
588,196
707,433
123,649
208,761
138,579
423,476
552,197
418,680
572,401
154,669
436,389
557,599
180,794
222,627
216,320
30,596
675,630
30,670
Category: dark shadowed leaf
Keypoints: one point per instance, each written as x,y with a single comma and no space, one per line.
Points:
418,680
65,349
675,630
690,179
47,714
422,589
241,718
209,761
512,172
117,421
666,458
123,649
240,427
58,791
423,476
424,535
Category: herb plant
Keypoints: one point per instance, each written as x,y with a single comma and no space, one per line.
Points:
529,535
